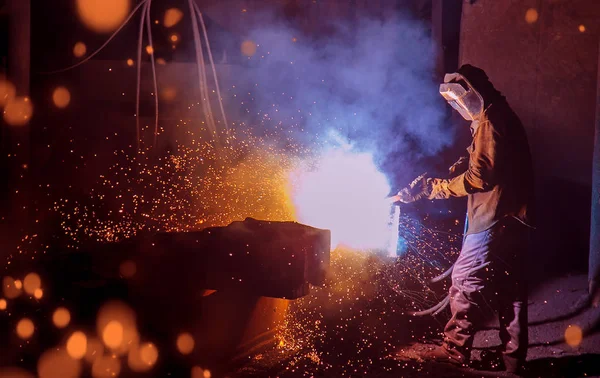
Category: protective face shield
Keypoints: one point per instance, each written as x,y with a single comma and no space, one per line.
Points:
461,95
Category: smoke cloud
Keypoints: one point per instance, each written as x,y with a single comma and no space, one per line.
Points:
371,81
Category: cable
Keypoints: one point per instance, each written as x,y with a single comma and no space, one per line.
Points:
101,47
210,57
139,76
149,31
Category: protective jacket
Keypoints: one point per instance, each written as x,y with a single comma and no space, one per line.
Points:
499,178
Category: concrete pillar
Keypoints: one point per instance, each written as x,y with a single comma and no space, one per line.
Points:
445,31
594,261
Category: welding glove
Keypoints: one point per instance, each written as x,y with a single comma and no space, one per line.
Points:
459,163
421,187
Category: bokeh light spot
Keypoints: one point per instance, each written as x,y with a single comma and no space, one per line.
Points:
161,61
185,343
582,28
19,284
117,325
172,17
94,350
25,328
77,345
127,269
135,361
13,372
56,363
79,49
61,97
112,335
7,91
3,304
174,38
150,50
61,317
106,367
103,16
38,293
130,62
198,372
248,48
9,288
531,15
32,282
18,111
148,354
573,335
169,93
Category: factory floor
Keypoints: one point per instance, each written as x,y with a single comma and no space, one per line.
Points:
557,313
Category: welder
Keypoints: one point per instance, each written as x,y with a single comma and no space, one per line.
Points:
498,182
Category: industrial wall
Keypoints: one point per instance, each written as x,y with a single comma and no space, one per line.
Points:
543,55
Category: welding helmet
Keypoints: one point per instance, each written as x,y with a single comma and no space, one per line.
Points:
461,95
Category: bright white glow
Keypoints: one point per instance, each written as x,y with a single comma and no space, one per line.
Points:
343,191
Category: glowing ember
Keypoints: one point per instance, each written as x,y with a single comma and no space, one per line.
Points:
79,49
38,293
531,16
344,192
55,363
61,317
18,111
61,97
248,48
31,283
10,287
103,16
113,334
198,372
148,354
573,335
77,345
25,328
116,325
172,17
185,343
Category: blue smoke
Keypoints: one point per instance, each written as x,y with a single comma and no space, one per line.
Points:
372,81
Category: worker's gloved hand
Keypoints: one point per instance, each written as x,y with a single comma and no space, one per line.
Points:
458,164
418,189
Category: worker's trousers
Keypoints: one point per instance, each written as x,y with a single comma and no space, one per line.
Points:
489,275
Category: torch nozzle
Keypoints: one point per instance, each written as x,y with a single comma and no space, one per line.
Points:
393,199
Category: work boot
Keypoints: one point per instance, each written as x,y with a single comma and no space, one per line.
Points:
431,352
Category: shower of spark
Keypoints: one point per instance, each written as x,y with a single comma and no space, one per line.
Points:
193,187
344,191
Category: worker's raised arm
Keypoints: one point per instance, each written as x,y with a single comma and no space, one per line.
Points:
481,173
